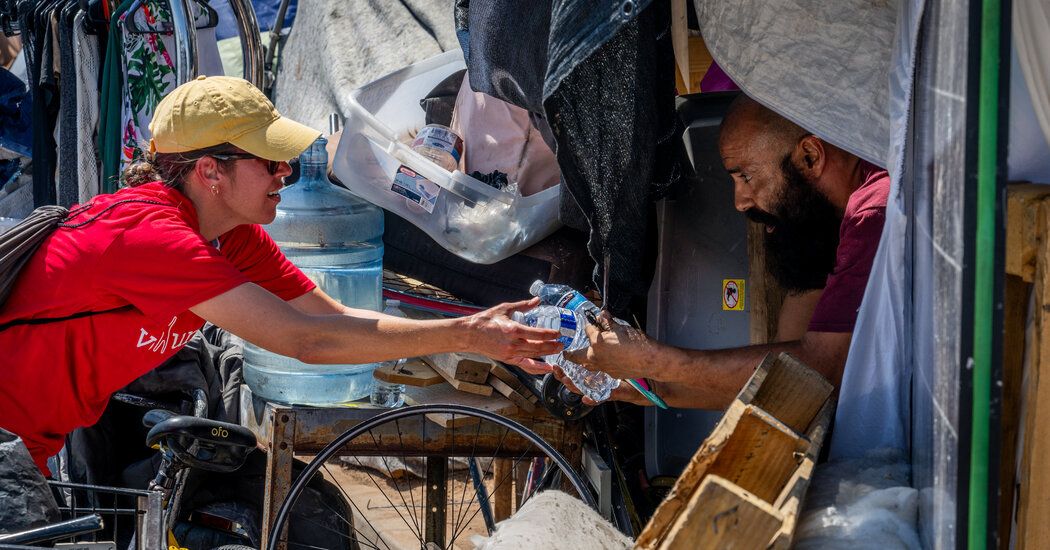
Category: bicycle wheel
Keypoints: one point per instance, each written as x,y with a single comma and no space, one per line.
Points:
413,483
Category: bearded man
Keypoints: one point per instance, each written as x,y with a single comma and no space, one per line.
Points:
823,210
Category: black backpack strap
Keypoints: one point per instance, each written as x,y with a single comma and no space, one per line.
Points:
46,320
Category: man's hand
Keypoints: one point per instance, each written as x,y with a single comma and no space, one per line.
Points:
618,350
623,392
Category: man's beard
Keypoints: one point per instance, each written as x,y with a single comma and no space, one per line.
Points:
800,251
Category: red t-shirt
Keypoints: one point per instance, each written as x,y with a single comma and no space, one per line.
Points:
59,376
859,237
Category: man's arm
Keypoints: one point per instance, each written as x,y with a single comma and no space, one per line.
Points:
707,379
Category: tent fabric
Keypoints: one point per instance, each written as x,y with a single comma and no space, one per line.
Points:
1031,19
813,82
1028,157
874,399
338,46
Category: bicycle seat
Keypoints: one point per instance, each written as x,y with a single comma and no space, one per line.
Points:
199,442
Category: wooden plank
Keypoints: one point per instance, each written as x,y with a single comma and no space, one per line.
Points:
1023,204
789,503
460,368
689,481
721,515
503,373
760,455
443,393
1015,309
508,392
413,372
446,368
1034,482
791,392
766,296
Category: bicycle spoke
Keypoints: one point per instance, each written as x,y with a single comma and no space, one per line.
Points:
411,493
473,451
496,453
307,519
475,514
387,497
397,485
359,512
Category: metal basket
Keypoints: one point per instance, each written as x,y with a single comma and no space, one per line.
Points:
132,518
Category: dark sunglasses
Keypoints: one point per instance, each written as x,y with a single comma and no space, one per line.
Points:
271,165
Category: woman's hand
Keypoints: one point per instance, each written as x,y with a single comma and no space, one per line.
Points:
618,350
494,334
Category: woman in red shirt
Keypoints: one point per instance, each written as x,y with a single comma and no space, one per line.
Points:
181,246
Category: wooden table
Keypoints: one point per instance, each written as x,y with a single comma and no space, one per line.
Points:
283,430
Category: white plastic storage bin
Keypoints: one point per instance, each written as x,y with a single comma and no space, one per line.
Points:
472,220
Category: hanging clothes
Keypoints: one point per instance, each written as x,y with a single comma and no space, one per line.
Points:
86,51
604,82
67,184
138,71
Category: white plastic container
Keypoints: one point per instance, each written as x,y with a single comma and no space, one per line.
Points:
472,220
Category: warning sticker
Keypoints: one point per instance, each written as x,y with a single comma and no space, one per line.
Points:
733,294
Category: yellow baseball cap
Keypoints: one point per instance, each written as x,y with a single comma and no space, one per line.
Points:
212,110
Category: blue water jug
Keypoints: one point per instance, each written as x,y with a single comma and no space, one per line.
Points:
336,238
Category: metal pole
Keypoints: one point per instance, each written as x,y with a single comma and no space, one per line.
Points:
185,41
251,43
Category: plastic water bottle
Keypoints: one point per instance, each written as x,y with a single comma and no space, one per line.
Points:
389,394
570,324
336,239
562,296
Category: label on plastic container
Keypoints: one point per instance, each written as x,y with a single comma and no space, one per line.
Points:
440,137
415,188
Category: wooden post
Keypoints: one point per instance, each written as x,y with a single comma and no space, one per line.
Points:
1033,505
278,471
503,481
766,296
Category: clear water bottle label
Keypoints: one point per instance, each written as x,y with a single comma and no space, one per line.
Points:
416,189
572,301
568,327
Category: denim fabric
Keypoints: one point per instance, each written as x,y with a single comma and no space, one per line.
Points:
16,133
603,79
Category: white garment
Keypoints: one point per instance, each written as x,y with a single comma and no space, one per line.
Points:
85,51
1028,157
1031,32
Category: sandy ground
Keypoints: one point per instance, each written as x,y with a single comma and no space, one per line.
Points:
392,520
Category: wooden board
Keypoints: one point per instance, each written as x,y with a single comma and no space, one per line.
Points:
750,448
766,296
444,393
436,361
1023,203
788,390
1034,476
465,367
1015,310
760,455
719,516
413,373
503,497
508,392
789,503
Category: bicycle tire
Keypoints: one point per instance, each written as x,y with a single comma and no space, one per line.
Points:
328,452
